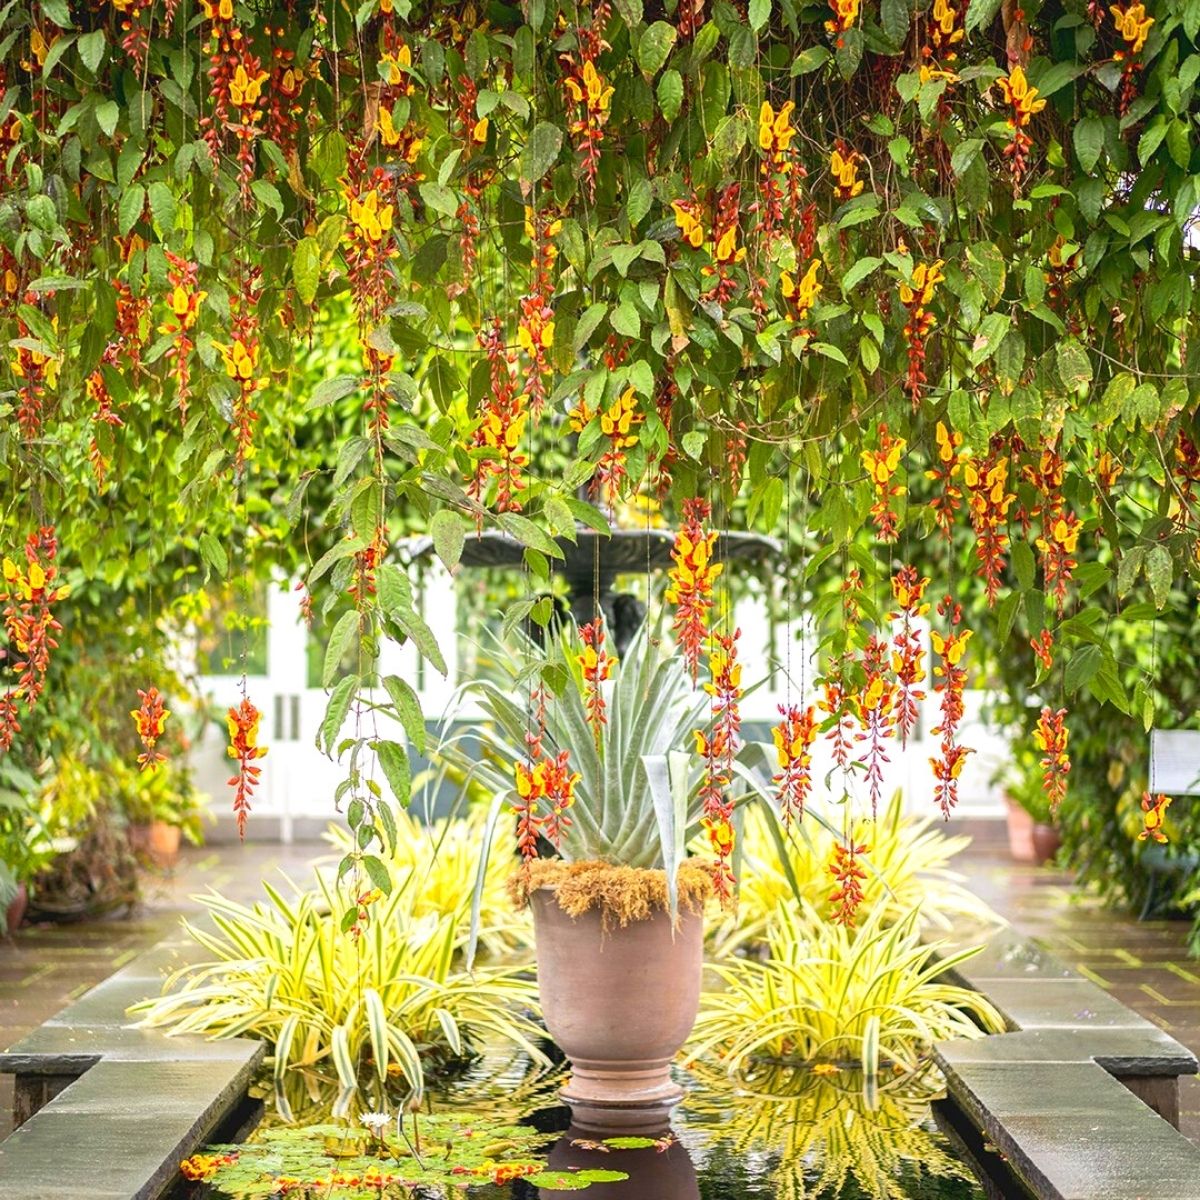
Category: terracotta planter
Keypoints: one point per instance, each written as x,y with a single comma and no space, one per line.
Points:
657,1174
1046,841
620,1005
15,912
138,833
1020,832
156,841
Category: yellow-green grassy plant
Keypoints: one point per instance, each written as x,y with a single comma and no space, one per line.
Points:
284,971
828,994
828,1130
442,857
907,864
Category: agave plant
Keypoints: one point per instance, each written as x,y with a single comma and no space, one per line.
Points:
828,994
636,802
907,868
283,971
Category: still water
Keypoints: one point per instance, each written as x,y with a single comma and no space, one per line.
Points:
780,1134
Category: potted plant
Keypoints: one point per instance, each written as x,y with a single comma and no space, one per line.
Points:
162,808
1032,834
25,844
594,772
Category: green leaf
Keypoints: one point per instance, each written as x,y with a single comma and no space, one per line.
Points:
1056,77
670,94
213,553
440,198
328,391
343,637
394,763
163,206
1081,666
965,153
448,534
862,268
1089,142
336,712
1131,565
810,59
980,14
1179,143
1159,573
654,47
1074,365
130,208
306,271
759,14
408,707
541,151
1024,565
91,49
893,16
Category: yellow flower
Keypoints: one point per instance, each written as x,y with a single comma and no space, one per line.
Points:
1020,96
689,226
244,89
1133,25
803,294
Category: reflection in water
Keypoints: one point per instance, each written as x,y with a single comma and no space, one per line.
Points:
661,1173
778,1133
829,1135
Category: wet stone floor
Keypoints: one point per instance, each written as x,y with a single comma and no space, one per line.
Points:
46,966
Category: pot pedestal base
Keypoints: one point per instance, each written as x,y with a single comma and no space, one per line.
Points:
616,1096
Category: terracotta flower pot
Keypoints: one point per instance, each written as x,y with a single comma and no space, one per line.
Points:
620,1004
162,843
1046,841
15,913
138,833
658,1174
1020,832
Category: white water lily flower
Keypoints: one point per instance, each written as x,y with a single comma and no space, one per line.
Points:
376,1122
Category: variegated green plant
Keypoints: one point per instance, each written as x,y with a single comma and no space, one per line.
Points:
828,994
284,971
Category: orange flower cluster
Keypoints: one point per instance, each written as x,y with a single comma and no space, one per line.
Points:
794,737
944,473
876,714
184,298
1043,648
843,166
850,876
951,679
881,465
236,82
691,580
775,134
1023,100
908,591
588,95
243,722
204,1166
989,500
801,295
1154,816
845,14
1051,737
29,594
596,664
535,331
150,717
501,426
618,423
690,15
125,344
916,295
1108,470
472,133
718,747
36,373
551,782
945,32
687,221
726,254
1133,25
1060,529
362,911
283,93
